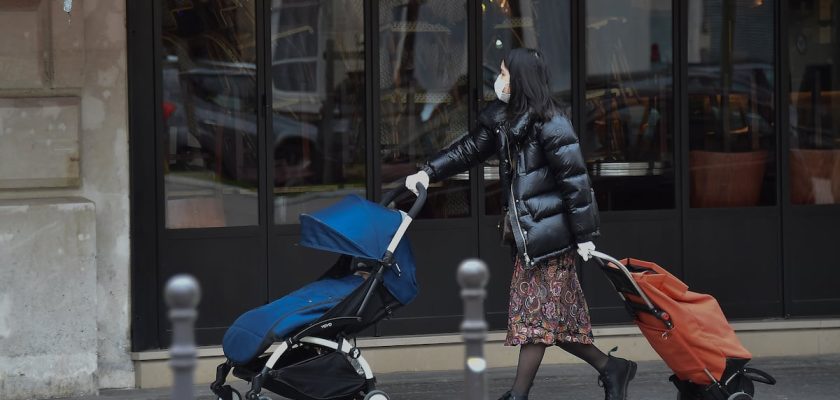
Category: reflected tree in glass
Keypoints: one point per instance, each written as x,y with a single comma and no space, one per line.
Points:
423,87
317,88
209,142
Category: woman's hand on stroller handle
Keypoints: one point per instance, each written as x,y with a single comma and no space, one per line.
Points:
419,178
419,191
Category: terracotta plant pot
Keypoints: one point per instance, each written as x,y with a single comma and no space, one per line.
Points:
807,169
726,179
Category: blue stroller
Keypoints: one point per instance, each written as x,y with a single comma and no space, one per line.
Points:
312,326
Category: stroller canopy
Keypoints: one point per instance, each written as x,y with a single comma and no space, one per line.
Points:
363,229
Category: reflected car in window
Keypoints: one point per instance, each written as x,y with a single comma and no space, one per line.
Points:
219,119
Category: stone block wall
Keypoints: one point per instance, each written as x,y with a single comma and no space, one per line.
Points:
64,135
45,129
48,335
42,46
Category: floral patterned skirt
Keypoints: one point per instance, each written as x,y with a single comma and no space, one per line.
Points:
547,304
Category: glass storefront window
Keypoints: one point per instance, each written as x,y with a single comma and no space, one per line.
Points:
317,88
541,24
731,105
814,40
423,87
628,135
210,151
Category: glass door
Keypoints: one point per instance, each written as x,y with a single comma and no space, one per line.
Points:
733,219
209,155
266,115
813,159
627,133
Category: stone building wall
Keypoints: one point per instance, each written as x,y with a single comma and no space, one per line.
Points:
64,199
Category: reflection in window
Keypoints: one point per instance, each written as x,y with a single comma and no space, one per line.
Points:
423,103
628,130
814,37
317,73
209,114
731,105
539,24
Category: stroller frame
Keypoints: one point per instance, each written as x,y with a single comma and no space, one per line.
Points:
312,335
737,380
330,335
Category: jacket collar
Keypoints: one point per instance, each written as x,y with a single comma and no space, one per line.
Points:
519,127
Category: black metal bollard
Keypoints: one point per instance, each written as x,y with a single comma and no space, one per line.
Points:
182,296
473,277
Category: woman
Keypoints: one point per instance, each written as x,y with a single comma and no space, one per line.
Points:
551,212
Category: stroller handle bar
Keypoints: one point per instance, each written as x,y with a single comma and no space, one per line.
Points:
605,260
422,193
391,195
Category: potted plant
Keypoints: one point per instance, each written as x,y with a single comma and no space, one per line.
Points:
728,164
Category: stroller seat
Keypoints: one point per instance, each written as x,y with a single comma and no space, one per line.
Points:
254,331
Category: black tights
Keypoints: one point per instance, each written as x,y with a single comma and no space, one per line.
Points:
587,352
531,355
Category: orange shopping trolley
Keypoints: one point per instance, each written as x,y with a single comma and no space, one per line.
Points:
687,329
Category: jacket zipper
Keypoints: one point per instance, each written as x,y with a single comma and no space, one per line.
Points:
522,233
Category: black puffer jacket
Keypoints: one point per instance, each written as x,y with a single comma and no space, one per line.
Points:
542,163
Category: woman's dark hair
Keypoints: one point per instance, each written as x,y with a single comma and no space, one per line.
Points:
529,84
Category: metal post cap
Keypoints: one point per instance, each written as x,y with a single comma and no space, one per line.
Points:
182,291
473,273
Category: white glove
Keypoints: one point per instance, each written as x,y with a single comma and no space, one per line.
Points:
585,250
411,181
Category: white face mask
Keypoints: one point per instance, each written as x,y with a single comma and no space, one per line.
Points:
500,86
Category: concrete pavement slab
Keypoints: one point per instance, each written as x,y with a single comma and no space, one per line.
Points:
799,378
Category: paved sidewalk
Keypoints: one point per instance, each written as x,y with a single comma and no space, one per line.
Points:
800,378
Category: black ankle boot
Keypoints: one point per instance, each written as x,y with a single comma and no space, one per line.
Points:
510,396
616,376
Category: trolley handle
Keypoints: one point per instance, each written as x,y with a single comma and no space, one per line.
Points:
605,260
419,202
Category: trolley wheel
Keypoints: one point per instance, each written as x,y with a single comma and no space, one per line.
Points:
377,395
234,395
740,396
741,384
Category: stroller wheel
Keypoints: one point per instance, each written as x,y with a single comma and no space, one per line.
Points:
740,396
234,395
377,395
254,396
